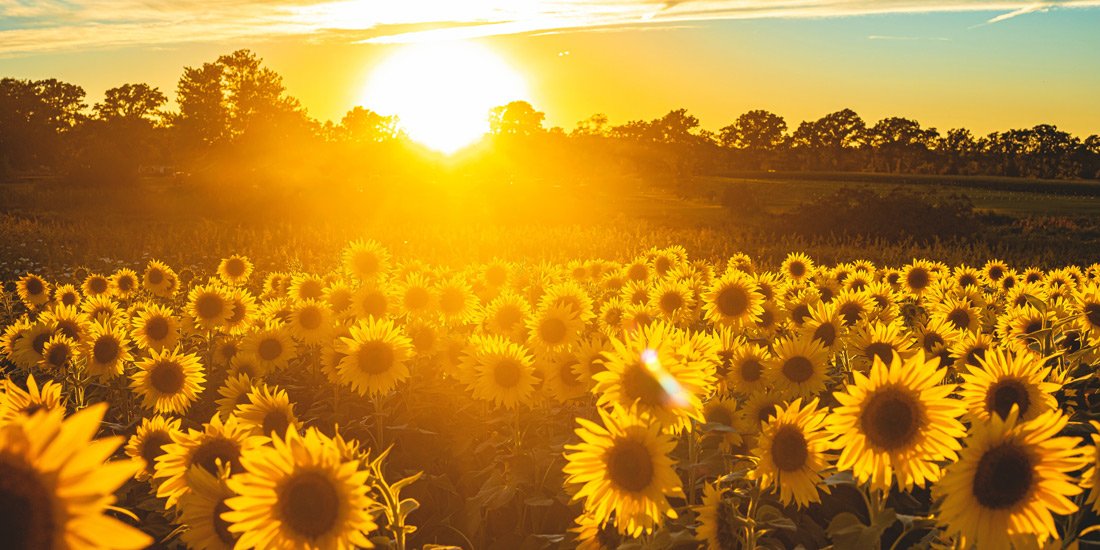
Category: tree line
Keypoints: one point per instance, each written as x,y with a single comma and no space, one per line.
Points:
234,118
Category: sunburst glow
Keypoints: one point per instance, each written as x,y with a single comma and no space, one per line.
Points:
442,91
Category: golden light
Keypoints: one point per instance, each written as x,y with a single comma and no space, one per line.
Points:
442,91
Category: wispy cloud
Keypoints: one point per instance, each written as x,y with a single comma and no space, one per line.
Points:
33,26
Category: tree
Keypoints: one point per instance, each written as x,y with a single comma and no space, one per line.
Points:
959,148
828,138
675,127
361,125
36,118
595,125
517,118
755,131
900,142
132,102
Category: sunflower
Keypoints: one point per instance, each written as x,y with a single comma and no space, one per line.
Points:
155,328
95,285
33,290
719,524
507,315
746,373
1091,478
276,285
201,511
591,534
623,467
168,381
1088,306
502,372
993,271
149,440
306,286
673,300
918,277
1010,479
271,345
635,292
415,296
797,267
734,300
792,448
456,301
300,493
1017,326
310,321
123,283
210,306
58,353
935,338
160,280
1006,380
267,410
102,308
852,306
881,340
339,297
17,401
107,350
375,353
235,270
559,376
67,295
758,408
67,321
55,487
798,306
650,373
366,260
217,443
897,423
722,411
27,347
960,312
554,328
825,325
799,366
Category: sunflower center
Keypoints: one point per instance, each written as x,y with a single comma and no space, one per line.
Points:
800,313
751,370
167,377
639,385
851,312
69,328
1003,394
765,412
234,267
1003,477
98,285
39,342
797,269
671,301
732,301
798,369
637,272
717,414
552,330
310,289
974,355
629,465
58,355
417,298
34,286
68,299
508,316
375,304
1092,314
270,349
156,328
310,504
221,527
151,447
882,350
219,448
367,263
155,276
209,306
452,301
789,451
931,341
26,513
239,313
918,279
1032,326
826,334
105,350
507,373
568,377
890,419
767,318
995,273
375,357
275,420
310,318
125,284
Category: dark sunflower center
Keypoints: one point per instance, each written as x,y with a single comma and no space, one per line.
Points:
367,263
209,306
826,334
671,301
717,414
732,301
221,527
995,273
767,318
797,269
1092,314
766,412
105,350
98,285
167,377
156,328
417,298
1003,477
310,318
452,301
629,465
26,513
789,450
800,313
751,369
310,289
552,330
637,272
234,267
931,341
1005,393
39,342
155,276
69,298
151,447
662,265
276,420
1032,326
58,355
310,504
565,372
239,313
375,357
507,373
798,369
890,419
219,448
375,304
270,349
851,312
35,287
640,385
918,279
882,350
69,328
508,317
125,284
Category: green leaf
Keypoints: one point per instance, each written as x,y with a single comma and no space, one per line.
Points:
849,533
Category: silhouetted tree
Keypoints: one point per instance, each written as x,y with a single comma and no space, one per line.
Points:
517,118
362,125
900,143
758,133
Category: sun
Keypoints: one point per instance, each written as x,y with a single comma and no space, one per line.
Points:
442,92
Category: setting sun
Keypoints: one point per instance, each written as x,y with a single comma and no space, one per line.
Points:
442,91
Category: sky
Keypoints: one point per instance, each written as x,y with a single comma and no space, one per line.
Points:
983,65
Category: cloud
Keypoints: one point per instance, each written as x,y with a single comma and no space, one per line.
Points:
36,26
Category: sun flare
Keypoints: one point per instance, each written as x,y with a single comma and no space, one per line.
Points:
442,91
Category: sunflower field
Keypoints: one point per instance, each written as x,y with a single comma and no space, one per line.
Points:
654,402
